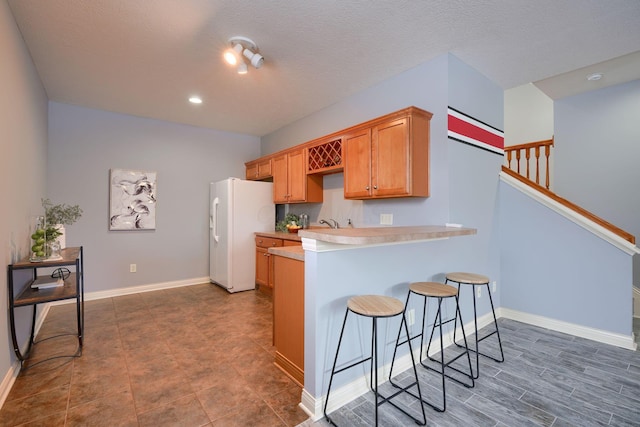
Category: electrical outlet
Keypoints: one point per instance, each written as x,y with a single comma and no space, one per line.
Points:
133,268
411,317
386,219
495,286
479,292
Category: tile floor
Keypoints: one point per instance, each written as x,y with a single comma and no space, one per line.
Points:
548,379
191,356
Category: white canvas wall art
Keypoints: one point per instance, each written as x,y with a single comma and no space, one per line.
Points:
132,200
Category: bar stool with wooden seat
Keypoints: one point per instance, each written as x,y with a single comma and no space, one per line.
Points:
440,291
375,307
473,279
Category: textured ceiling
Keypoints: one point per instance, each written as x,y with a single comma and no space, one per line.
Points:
145,57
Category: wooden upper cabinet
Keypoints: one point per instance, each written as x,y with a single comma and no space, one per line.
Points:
258,169
291,184
381,158
280,180
390,152
389,159
296,176
251,169
357,164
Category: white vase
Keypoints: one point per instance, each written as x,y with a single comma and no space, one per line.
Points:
61,239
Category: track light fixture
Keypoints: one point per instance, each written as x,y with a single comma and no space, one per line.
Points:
239,47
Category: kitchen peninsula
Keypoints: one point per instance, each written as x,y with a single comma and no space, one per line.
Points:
342,263
383,235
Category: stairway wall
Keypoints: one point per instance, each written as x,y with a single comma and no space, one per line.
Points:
596,153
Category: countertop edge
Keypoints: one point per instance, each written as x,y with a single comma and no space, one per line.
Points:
279,235
293,252
379,235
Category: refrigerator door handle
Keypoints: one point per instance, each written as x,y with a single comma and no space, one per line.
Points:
213,220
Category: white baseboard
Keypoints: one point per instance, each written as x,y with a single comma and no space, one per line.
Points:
14,370
90,296
7,382
356,388
599,335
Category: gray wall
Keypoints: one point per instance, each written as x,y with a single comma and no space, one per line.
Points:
404,90
597,153
464,182
564,271
23,138
84,144
473,173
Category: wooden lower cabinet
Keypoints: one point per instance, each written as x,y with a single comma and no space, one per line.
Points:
264,265
264,261
288,316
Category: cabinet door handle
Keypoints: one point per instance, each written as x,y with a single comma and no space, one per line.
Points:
366,188
375,187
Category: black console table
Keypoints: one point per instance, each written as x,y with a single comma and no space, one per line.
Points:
73,288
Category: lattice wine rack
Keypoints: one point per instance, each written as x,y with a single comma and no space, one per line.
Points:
326,156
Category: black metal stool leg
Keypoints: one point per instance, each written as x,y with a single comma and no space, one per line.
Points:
438,319
444,365
497,331
374,359
475,325
413,363
373,382
333,369
477,339
398,343
466,346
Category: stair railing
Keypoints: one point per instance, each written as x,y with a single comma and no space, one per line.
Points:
526,179
527,148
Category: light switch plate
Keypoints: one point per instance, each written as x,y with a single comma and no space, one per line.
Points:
386,219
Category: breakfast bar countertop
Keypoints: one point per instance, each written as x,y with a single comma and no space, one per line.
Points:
382,235
279,235
293,252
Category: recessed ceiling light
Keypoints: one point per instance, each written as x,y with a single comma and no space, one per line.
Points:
595,77
195,100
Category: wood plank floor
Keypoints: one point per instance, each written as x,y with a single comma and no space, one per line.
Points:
547,379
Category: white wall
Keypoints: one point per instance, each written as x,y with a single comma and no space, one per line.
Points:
85,144
528,115
23,138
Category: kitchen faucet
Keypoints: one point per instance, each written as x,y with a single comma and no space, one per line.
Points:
331,225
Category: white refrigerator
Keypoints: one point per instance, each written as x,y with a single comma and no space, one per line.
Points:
238,209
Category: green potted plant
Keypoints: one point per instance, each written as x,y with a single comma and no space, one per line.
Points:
56,217
289,219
